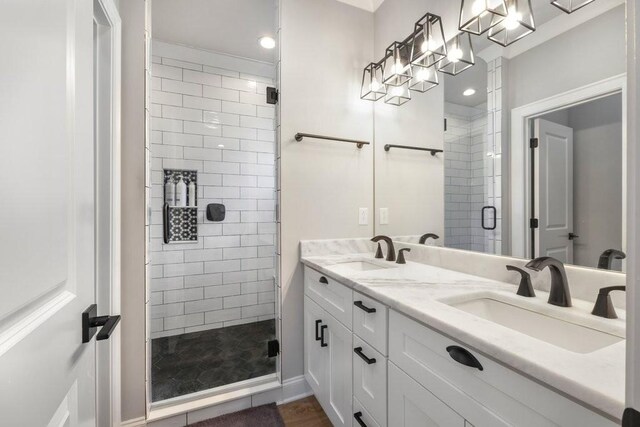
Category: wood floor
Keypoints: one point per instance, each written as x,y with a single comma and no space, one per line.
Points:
305,412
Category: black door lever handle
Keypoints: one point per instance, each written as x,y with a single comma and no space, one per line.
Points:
91,322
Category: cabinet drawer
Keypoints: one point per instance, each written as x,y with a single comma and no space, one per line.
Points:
370,321
370,379
495,396
361,417
334,297
412,405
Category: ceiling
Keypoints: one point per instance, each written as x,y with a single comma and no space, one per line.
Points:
231,27
369,5
472,78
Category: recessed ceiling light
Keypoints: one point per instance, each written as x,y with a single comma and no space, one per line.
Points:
267,42
220,145
469,92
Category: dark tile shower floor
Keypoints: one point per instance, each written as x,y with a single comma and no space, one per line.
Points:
197,361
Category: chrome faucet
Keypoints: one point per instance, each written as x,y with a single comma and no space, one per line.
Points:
559,293
424,237
391,252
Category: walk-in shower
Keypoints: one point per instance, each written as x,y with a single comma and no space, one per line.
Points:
213,297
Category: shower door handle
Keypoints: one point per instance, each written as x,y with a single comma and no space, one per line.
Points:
482,219
165,223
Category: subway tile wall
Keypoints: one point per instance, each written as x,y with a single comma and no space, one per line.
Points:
465,191
214,120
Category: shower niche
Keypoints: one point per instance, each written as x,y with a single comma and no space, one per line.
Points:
180,209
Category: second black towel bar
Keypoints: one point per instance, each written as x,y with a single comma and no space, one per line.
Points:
434,151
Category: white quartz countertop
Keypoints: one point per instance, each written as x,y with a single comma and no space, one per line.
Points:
596,379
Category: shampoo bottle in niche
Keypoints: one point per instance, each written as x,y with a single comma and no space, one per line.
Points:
170,192
181,193
192,193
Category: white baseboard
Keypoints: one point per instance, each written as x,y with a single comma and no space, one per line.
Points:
293,389
136,422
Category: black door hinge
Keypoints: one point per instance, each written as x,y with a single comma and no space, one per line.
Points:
631,418
272,95
273,348
445,124
533,223
533,143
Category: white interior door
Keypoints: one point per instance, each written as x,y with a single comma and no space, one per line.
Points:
47,248
553,190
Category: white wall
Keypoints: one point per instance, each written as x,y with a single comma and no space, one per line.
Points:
588,53
409,184
132,13
226,277
325,46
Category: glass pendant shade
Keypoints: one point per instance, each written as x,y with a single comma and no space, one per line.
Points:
397,64
372,86
459,55
477,16
423,79
518,23
570,6
428,45
398,95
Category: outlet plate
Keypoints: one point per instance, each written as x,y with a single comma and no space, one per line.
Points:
363,216
384,216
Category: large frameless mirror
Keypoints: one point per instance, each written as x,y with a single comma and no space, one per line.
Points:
533,140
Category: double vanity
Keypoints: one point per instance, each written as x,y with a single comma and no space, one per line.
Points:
416,344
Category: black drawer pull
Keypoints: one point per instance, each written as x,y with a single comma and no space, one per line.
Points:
464,357
358,417
322,329
358,351
361,306
324,280
317,331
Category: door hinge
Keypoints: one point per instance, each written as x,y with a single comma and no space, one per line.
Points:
533,223
272,95
630,418
273,348
445,124
533,143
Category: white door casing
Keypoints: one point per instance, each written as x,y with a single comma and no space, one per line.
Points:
553,190
48,224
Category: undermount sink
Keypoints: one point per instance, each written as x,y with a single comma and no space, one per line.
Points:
570,336
353,266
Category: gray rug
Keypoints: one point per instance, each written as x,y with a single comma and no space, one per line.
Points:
263,416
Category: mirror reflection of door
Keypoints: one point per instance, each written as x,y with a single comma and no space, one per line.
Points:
577,190
554,198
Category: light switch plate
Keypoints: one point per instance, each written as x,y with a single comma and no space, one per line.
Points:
363,216
384,216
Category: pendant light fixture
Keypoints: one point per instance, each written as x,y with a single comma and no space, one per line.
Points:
398,95
460,55
570,6
396,66
423,79
428,45
477,16
517,24
372,86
